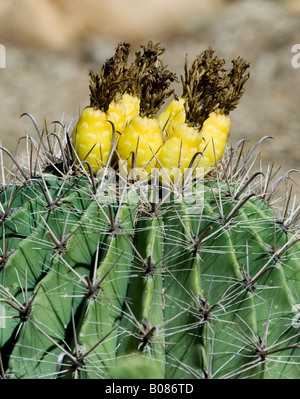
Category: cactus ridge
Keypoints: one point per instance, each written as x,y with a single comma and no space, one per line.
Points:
103,283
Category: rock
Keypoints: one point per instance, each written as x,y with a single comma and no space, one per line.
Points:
33,23
57,24
293,6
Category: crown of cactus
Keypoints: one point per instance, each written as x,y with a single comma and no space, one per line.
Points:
198,121
142,139
108,277
110,102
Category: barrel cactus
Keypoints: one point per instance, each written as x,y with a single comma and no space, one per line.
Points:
108,272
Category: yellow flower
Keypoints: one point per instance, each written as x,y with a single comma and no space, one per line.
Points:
92,138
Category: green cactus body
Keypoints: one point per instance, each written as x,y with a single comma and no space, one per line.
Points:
201,289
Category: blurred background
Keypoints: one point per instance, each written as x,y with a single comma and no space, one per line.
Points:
52,44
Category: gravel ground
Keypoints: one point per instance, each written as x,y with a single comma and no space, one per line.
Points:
53,84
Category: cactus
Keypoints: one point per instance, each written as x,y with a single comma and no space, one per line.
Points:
110,276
